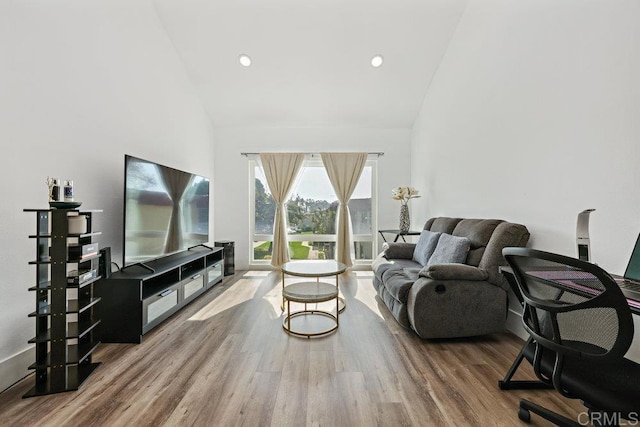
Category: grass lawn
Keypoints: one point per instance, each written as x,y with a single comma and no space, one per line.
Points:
262,251
298,251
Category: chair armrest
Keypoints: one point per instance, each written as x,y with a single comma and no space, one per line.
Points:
398,250
453,272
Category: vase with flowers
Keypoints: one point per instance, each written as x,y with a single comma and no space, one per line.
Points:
404,194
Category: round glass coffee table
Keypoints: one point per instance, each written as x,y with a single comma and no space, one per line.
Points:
311,322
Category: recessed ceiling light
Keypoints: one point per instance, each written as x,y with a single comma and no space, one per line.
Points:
245,60
377,61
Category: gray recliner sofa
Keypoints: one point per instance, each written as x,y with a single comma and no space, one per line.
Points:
451,299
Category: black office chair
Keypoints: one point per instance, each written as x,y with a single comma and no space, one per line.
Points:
581,327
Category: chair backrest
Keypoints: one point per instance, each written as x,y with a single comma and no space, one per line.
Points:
571,307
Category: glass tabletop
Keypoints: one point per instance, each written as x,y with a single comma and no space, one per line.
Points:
310,292
315,268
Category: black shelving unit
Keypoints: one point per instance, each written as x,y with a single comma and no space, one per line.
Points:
64,312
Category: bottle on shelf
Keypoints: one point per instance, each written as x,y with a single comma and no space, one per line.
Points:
68,190
55,192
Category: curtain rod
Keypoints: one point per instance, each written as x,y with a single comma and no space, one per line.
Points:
379,153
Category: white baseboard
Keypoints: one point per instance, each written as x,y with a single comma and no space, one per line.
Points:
15,368
514,324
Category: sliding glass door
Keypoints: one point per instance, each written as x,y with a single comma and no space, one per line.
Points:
311,215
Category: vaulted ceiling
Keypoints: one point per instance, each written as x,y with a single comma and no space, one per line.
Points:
311,58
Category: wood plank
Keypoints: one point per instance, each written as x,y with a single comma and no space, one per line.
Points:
225,359
292,394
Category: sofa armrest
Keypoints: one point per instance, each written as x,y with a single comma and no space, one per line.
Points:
453,272
398,250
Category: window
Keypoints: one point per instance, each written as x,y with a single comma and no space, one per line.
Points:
311,214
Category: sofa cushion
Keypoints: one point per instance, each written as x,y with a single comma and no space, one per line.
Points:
412,273
397,284
450,249
478,231
398,310
442,224
425,246
380,265
475,256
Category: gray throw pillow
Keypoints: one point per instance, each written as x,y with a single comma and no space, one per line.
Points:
450,249
425,246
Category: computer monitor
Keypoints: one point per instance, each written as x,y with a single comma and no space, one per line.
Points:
633,268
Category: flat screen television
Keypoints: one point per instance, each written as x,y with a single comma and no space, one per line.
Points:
166,210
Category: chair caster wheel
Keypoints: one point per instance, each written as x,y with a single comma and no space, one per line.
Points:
524,415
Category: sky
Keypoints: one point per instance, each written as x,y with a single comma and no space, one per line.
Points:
313,183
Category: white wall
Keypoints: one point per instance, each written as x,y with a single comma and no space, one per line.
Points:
81,84
231,199
533,117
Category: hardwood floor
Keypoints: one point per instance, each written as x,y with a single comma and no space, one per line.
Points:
225,360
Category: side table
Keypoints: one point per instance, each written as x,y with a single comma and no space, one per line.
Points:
311,292
398,233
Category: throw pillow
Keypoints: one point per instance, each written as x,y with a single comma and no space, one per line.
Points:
450,249
425,246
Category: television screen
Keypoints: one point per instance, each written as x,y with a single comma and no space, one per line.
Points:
165,210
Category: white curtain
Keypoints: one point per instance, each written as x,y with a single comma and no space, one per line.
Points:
280,170
344,170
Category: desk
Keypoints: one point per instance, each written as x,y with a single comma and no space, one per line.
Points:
562,279
398,234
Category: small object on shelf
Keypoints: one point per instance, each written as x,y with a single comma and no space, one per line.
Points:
77,224
54,189
104,264
68,190
57,190
65,205
82,251
75,277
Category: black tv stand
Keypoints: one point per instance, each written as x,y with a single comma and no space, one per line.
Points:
198,246
138,264
135,301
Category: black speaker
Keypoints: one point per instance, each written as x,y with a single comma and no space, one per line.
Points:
104,266
229,259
